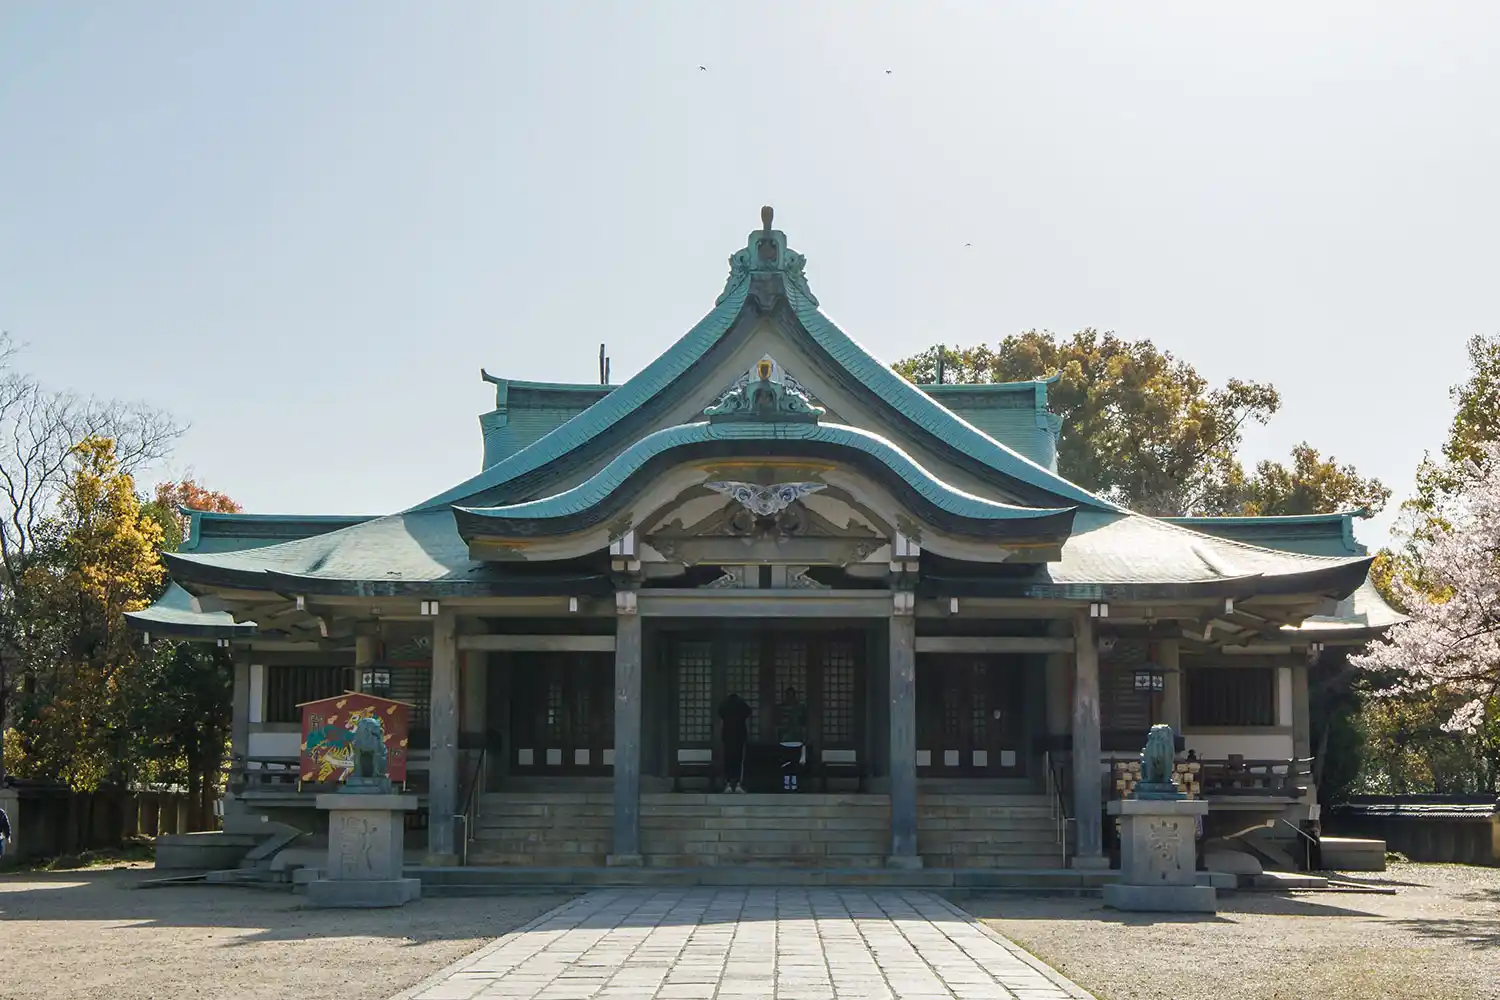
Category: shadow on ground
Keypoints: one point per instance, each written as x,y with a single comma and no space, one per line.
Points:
257,914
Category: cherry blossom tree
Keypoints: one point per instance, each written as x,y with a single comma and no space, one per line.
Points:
1452,641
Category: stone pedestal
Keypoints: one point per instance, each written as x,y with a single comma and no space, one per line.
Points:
366,845
1158,857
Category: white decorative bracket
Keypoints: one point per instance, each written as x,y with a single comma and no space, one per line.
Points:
905,553
625,602
623,555
429,609
904,602
1099,610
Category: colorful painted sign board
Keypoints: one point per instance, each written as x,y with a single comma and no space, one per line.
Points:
328,735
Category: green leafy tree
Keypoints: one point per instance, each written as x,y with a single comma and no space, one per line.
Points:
1312,484
99,559
1146,429
39,430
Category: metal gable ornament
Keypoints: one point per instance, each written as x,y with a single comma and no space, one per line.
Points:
765,501
767,393
766,254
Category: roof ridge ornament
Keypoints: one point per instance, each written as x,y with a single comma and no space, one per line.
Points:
765,393
765,254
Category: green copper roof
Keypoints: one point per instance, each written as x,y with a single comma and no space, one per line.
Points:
778,270
601,486
526,411
1113,556
1013,413
927,413
212,531
623,401
1313,534
173,615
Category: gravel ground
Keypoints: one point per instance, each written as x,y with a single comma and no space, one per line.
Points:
1438,938
92,934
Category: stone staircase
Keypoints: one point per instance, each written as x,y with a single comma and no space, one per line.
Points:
571,829
543,829
816,831
987,831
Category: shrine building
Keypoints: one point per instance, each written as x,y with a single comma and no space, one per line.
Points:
952,649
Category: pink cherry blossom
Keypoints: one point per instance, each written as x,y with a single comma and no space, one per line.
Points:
1452,640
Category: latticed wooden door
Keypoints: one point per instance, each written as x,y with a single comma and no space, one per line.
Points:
968,716
802,685
562,713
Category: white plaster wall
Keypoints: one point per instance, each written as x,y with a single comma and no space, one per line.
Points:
275,744
257,693
1284,696
1253,746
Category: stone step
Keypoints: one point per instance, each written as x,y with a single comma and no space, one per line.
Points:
517,845
549,798
1003,862
984,812
925,799
810,824
843,861
995,848
984,836
542,809
760,799
560,822
512,878
537,859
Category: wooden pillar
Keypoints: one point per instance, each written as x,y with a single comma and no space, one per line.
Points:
1059,687
903,748
239,716
442,778
1170,654
1087,784
366,651
627,768
1301,712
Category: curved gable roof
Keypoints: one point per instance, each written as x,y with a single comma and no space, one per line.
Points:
590,502
758,287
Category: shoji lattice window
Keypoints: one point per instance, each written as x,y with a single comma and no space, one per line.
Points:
839,680
695,693
742,677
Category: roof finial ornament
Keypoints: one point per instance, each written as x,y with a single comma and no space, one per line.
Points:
767,213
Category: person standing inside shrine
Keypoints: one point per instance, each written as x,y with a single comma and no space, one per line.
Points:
4,833
734,718
791,733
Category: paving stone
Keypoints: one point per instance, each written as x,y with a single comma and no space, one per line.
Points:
742,943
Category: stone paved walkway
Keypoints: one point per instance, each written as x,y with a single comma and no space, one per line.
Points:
738,944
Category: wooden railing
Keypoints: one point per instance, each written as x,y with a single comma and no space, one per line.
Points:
1239,776
1229,777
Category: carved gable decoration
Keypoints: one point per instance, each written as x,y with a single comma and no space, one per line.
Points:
765,524
765,501
766,393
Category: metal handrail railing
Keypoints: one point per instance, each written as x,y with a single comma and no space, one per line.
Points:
469,817
1059,805
1307,848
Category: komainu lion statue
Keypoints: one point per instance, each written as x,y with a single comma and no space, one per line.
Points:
1159,757
369,749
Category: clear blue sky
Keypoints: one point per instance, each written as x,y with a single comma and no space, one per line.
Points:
304,227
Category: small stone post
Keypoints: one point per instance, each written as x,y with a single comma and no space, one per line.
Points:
1158,840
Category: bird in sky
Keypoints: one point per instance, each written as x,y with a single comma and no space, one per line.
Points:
968,244
703,69
887,72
